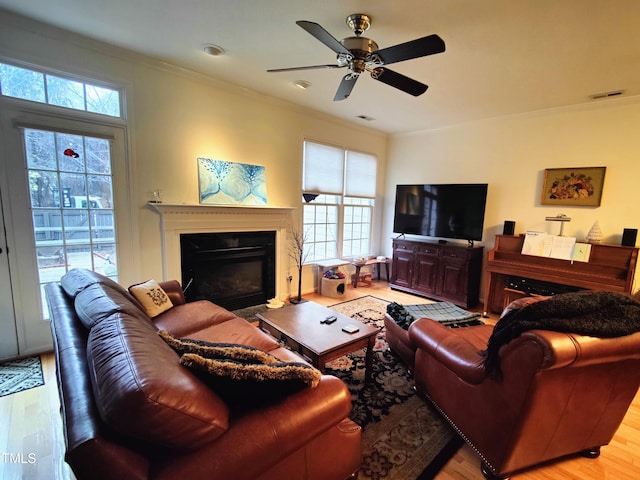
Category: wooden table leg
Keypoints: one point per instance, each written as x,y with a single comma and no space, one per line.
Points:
356,276
368,361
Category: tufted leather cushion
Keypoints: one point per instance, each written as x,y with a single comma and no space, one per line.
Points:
76,280
99,301
97,297
142,391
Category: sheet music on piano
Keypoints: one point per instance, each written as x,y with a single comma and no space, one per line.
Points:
542,244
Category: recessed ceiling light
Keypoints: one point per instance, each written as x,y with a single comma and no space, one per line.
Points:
302,84
214,50
365,117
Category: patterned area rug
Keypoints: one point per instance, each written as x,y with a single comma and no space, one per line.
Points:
403,437
20,375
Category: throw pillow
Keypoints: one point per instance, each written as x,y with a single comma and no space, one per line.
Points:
244,385
231,351
152,297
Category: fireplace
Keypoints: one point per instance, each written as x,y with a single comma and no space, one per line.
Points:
232,269
181,219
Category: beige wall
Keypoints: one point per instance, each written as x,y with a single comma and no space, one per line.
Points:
178,119
510,154
176,116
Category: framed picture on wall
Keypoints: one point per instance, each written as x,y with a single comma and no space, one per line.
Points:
229,183
579,187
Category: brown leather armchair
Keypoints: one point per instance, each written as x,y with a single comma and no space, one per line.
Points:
558,394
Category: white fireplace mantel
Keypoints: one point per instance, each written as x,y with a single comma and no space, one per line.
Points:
176,219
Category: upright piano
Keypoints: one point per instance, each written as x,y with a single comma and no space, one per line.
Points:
610,267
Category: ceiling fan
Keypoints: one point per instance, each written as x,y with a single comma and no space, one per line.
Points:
361,54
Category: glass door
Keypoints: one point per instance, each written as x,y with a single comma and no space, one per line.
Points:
71,199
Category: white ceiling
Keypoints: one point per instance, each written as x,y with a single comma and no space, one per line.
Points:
502,57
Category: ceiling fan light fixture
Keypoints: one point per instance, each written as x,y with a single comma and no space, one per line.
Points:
213,50
302,84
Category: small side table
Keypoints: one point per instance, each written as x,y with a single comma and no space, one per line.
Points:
373,261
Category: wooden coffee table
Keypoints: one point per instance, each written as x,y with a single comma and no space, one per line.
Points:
299,328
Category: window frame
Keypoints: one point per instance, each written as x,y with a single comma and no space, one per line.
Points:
85,81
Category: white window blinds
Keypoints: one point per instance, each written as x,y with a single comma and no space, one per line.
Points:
323,169
335,171
360,175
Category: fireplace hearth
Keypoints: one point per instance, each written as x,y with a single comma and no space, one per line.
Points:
232,269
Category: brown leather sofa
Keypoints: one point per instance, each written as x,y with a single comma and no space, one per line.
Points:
559,393
131,411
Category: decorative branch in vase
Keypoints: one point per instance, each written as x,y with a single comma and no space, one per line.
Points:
299,256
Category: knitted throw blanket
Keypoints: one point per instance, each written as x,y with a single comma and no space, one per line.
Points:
447,313
593,313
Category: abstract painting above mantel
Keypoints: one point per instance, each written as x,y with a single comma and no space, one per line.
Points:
229,183
579,187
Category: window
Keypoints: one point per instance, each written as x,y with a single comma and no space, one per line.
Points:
338,194
36,86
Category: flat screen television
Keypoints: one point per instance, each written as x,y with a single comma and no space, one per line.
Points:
444,211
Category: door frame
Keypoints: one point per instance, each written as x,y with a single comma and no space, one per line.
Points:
33,333
8,333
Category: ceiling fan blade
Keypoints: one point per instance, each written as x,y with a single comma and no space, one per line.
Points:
417,48
399,81
311,67
346,85
325,37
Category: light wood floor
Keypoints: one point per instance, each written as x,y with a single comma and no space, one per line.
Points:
32,444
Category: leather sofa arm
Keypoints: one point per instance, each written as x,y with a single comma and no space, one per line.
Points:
570,349
460,349
173,291
457,349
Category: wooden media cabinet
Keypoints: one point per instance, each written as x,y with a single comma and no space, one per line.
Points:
610,267
445,272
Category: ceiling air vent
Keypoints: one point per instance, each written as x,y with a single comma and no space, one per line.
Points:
615,93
